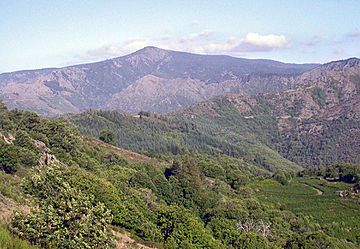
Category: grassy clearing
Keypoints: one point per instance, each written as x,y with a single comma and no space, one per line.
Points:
340,215
10,187
8,241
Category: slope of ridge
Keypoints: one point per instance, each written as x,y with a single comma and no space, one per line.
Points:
164,136
112,84
316,122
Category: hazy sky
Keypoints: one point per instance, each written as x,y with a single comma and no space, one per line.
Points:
50,33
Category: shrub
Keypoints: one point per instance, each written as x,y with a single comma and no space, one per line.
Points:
106,136
9,161
181,229
63,216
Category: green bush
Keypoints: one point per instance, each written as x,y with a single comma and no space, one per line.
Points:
252,240
23,140
9,162
106,136
181,229
63,216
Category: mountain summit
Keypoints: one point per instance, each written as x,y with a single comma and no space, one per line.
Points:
151,79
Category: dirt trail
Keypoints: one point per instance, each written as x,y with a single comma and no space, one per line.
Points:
318,191
131,156
125,242
7,207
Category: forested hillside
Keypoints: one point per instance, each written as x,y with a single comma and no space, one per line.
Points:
163,136
315,123
77,191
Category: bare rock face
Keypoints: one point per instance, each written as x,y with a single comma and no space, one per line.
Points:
41,146
150,79
332,92
7,139
46,158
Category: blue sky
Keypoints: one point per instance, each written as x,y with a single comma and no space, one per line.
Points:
43,33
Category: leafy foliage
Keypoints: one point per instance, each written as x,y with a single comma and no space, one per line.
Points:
106,135
63,216
344,172
9,162
182,230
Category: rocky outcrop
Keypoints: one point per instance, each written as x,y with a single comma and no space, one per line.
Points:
46,157
9,139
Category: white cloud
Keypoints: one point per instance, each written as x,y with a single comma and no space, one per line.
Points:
108,51
136,44
252,42
195,22
270,41
203,42
103,51
221,47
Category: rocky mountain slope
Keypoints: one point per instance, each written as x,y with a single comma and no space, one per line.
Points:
150,79
316,122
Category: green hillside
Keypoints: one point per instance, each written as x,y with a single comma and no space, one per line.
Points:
318,199
227,134
76,190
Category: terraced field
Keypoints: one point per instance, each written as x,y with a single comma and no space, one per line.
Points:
316,198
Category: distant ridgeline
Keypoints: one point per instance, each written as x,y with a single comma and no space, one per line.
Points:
150,79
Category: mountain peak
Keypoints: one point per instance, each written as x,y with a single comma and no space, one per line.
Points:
149,50
182,79
342,64
149,53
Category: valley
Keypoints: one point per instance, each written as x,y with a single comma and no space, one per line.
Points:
179,124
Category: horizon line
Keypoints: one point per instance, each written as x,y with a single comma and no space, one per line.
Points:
169,50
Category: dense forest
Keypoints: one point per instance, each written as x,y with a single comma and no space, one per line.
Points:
64,190
162,136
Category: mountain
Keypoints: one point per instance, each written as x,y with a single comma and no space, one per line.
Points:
316,122
150,79
223,173
273,114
